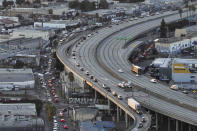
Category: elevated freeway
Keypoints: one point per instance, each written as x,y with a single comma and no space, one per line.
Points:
102,55
65,58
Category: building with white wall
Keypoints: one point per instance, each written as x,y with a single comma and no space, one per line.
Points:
18,78
56,24
20,116
184,70
174,45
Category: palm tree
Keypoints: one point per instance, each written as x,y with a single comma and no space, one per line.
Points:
186,3
193,9
71,78
180,13
190,9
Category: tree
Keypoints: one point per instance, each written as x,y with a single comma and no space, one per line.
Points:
19,64
104,4
74,4
19,2
71,78
97,17
186,3
193,9
58,64
163,29
190,9
51,11
51,111
180,12
37,1
5,4
87,6
55,43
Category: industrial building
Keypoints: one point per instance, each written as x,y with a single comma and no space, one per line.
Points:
22,43
176,44
16,79
56,24
96,126
184,70
176,69
20,116
162,68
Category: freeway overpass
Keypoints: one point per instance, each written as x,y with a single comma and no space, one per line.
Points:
102,56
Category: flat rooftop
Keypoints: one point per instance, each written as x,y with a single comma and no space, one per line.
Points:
28,109
16,75
161,62
185,61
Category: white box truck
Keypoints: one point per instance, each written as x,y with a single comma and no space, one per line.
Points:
134,105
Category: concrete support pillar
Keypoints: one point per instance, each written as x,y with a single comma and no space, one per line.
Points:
161,118
126,119
177,125
156,114
95,95
120,112
109,111
181,125
190,128
168,123
117,114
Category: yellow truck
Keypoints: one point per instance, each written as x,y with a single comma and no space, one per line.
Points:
136,69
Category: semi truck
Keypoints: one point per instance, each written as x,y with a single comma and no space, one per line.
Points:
136,69
134,105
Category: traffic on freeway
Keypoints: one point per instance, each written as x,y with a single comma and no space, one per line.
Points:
100,57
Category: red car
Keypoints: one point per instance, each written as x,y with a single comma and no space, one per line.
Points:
62,120
65,126
52,91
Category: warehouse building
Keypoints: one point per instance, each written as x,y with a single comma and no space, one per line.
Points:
184,70
162,66
176,69
176,44
16,78
20,117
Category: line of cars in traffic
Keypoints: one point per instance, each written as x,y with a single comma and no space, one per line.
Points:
56,126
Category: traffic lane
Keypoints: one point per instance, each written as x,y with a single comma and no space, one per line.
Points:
116,60
115,88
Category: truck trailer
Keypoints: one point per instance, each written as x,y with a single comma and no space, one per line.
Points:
134,105
136,69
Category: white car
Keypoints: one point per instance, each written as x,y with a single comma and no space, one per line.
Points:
174,87
49,99
153,80
54,121
87,73
120,70
120,97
